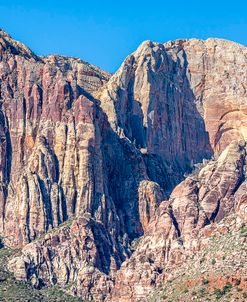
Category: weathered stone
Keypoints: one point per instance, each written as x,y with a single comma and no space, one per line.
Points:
183,225
90,163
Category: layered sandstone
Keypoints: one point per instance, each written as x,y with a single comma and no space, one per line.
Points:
47,129
91,163
185,223
182,99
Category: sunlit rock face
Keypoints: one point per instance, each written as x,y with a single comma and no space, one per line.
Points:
182,99
218,79
47,129
91,163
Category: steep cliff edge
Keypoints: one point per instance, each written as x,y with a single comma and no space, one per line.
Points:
168,97
93,163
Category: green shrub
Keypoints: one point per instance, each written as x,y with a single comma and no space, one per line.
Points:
218,293
243,231
202,292
205,281
227,287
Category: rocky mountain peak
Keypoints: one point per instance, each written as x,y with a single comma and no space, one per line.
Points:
3,33
9,45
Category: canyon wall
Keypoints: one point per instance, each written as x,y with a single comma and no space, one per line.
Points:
93,163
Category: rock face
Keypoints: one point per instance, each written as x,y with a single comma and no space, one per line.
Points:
180,100
150,101
47,128
91,162
184,224
217,71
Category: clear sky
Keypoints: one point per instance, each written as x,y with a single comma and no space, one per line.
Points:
105,32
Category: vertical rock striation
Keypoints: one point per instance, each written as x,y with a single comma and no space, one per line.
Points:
184,224
91,162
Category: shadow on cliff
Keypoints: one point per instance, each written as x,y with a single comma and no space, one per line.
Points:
171,136
6,161
174,139
126,166
174,132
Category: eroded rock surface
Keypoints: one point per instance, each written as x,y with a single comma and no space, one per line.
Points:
91,163
184,224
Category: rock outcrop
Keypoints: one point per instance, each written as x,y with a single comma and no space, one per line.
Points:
217,72
91,164
185,223
181,100
150,100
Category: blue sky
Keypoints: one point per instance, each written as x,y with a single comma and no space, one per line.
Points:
105,32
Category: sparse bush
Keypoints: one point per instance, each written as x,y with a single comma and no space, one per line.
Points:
202,291
134,244
200,207
227,287
243,231
150,258
180,240
205,281
142,259
213,261
218,293
164,296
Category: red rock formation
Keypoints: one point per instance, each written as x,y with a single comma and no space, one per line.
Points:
150,100
88,162
184,224
44,113
217,72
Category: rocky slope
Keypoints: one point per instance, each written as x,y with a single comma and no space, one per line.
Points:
12,290
216,273
185,223
93,164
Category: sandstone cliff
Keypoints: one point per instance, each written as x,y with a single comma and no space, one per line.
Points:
91,164
185,223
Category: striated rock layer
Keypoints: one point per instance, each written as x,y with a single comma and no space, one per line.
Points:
91,162
184,224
